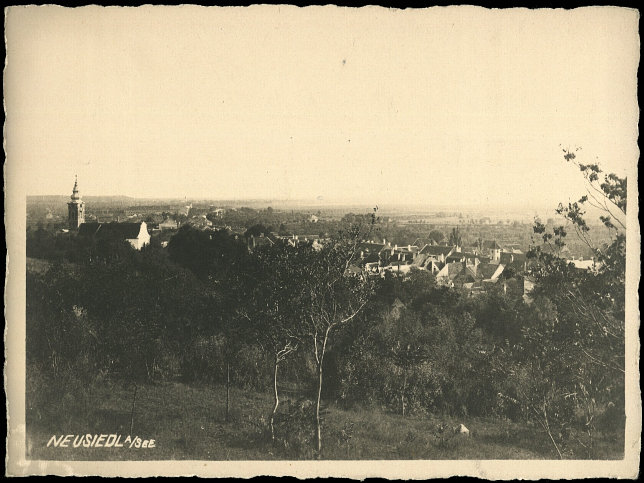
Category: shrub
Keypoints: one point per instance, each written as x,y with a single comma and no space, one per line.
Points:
295,429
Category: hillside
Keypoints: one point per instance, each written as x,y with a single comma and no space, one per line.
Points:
187,422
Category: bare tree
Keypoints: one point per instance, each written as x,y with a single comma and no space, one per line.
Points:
335,295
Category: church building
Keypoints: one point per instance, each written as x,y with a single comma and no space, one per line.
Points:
136,234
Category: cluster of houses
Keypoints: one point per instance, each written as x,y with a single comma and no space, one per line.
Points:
472,268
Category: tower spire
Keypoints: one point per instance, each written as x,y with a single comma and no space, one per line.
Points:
75,195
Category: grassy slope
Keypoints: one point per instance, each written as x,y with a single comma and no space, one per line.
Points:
188,423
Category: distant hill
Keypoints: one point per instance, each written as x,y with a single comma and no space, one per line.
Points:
65,198
101,201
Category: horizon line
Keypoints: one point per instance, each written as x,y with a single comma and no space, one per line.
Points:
270,199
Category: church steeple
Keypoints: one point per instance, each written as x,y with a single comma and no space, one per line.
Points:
75,208
75,195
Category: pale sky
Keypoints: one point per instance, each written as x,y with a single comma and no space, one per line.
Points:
439,106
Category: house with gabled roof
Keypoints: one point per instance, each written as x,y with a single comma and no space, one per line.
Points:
456,257
369,251
467,257
425,262
466,275
448,273
405,254
434,266
492,249
438,252
421,242
136,234
262,240
168,224
490,271
516,260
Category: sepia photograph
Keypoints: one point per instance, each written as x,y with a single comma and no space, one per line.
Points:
322,241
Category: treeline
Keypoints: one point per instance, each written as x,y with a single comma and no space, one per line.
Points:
208,311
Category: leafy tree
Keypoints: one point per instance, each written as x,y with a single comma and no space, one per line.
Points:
192,249
39,242
479,243
230,323
60,336
582,332
418,284
455,237
221,263
209,255
498,315
275,299
406,344
436,236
